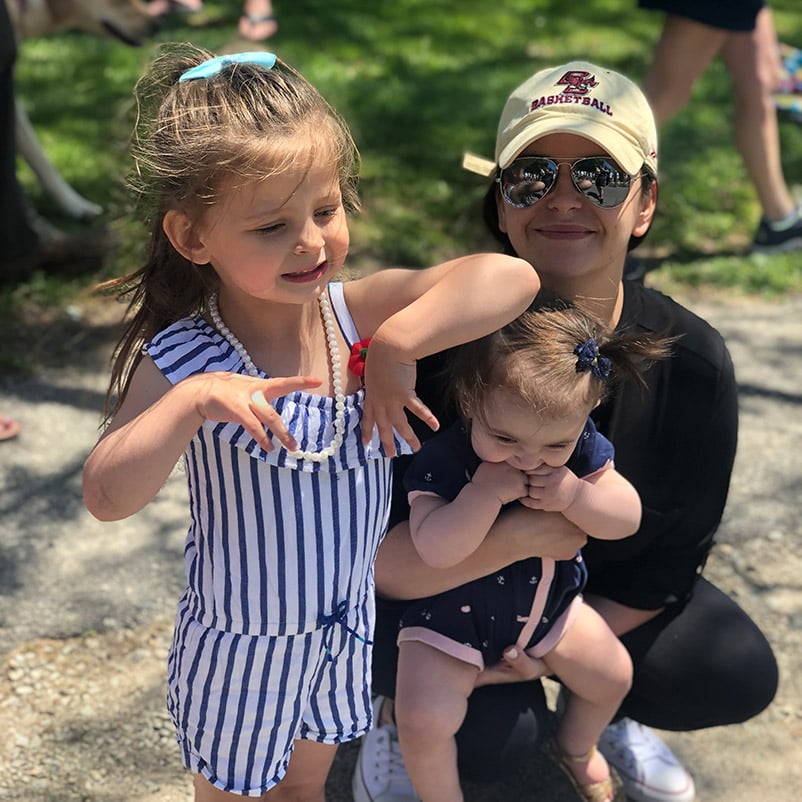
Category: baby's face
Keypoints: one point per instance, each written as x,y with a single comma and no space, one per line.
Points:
511,432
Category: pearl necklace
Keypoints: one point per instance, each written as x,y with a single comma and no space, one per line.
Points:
334,359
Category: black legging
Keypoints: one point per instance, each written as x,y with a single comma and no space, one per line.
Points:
702,665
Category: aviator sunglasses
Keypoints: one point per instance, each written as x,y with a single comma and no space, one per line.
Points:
530,178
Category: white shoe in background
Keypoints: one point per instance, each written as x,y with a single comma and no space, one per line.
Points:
649,770
380,775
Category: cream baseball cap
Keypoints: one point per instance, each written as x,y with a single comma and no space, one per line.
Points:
576,98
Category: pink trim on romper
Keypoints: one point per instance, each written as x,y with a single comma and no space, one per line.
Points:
539,602
467,654
461,651
558,630
559,627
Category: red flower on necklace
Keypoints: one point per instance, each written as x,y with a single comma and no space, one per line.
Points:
359,352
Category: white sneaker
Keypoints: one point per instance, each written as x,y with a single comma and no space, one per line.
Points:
380,775
648,768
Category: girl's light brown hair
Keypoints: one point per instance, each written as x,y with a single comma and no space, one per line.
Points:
534,357
194,139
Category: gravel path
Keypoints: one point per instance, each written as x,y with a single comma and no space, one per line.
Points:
86,608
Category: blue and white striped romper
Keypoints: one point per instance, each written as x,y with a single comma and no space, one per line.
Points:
270,639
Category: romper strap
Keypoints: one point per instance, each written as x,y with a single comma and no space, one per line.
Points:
342,313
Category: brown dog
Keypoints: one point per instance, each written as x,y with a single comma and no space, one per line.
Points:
124,20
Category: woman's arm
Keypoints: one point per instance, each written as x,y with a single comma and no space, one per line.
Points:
518,533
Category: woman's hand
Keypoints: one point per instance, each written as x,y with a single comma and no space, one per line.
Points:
515,666
534,533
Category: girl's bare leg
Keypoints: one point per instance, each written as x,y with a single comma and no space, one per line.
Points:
596,668
432,693
304,781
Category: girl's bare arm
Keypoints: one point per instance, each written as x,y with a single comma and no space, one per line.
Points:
411,314
156,421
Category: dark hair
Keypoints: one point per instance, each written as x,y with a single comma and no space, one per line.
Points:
535,358
490,211
191,140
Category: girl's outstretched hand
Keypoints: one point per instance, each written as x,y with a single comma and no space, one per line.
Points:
389,391
234,398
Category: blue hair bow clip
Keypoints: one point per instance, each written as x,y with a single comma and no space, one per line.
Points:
588,358
212,66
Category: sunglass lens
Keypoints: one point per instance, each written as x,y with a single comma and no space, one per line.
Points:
601,181
526,181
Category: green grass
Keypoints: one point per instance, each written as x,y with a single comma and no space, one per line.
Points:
420,82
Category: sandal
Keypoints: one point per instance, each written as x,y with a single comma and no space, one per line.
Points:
249,25
608,790
162,8
9,428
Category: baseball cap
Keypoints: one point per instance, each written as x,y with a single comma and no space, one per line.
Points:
576,98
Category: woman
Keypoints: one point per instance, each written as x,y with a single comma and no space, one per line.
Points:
699,661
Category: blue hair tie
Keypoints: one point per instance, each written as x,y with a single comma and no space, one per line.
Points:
588,358
212,66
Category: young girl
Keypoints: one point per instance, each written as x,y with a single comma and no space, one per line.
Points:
524,395
248,173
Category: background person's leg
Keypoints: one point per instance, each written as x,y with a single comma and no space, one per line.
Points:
683,52
753,60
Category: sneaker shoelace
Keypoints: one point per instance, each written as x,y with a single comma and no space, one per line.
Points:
389,763
637,745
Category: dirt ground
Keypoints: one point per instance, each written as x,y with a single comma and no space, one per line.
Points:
86,608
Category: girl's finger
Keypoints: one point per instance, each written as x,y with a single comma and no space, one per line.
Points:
388,439
259,400
420,410
368,424
258,434
268,417
406,432
274,388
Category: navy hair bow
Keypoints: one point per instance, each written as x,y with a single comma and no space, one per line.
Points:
588,358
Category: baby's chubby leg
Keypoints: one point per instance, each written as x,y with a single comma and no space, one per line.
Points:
432,693
595,667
